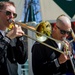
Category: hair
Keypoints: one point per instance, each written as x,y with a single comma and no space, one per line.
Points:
4,4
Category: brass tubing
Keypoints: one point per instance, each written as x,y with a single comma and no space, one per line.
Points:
45,44
34,30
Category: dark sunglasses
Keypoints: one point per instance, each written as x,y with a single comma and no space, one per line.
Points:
9,13
64,32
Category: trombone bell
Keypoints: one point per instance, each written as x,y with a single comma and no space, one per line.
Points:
44,28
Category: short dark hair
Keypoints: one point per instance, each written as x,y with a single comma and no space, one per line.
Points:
3,4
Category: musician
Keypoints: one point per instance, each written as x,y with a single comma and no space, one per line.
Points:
47,61
12,49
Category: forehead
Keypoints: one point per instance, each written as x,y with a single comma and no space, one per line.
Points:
65,27
64,23
10,8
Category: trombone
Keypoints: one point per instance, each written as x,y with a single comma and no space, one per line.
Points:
43,31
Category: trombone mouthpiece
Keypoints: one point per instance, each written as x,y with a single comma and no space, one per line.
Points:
64,39
11,21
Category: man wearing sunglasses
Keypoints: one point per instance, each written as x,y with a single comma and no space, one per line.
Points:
47,61
12,49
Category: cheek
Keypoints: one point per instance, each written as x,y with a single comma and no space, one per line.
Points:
4,18
58,34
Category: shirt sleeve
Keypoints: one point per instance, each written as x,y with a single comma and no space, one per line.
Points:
56,62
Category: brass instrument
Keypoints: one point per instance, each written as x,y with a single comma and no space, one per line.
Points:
43,31
44,28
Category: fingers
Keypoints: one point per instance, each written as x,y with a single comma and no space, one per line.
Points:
19,29
67,47
63,58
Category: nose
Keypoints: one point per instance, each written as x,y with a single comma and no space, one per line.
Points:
11,16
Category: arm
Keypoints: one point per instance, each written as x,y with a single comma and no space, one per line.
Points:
43,60
4,42
20,52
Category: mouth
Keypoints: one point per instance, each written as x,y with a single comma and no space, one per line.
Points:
8,22
63,38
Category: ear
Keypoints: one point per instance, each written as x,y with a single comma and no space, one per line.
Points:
54,28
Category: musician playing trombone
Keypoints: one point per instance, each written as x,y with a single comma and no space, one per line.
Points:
47,61
12,48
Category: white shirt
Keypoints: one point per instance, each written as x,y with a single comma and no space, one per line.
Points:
60,45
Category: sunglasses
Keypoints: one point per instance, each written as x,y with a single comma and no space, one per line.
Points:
64,32
9,13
